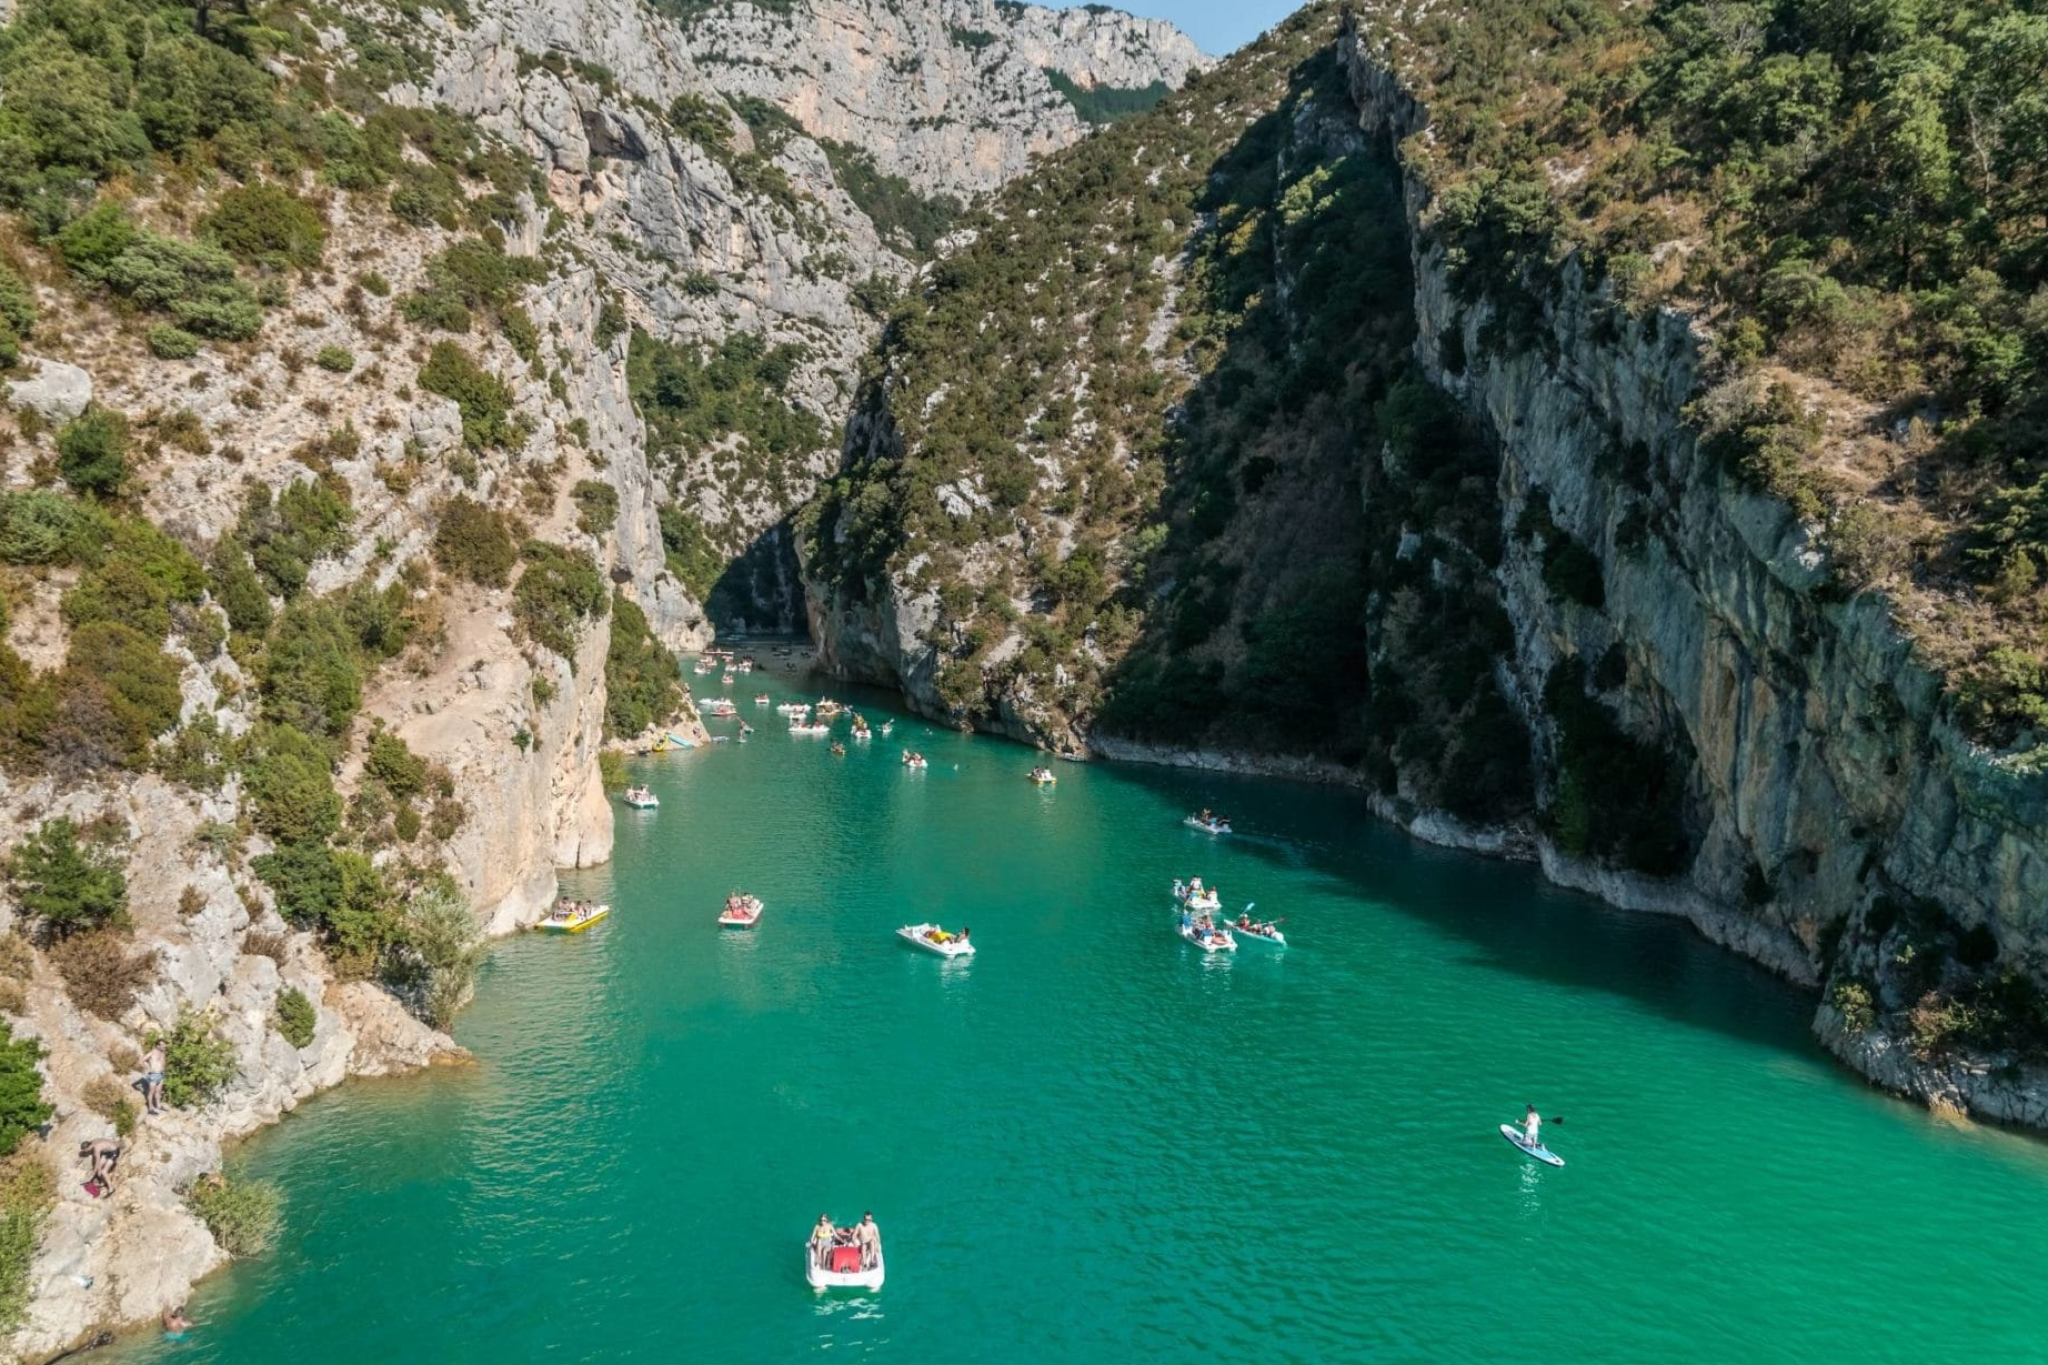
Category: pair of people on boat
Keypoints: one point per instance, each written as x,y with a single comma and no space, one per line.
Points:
1246,924
941,936
863,1234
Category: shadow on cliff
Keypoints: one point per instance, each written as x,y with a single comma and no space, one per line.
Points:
1508,918
759,590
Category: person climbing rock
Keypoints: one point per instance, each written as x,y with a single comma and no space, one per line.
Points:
100,1154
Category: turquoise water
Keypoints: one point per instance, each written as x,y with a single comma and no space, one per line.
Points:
1091,1143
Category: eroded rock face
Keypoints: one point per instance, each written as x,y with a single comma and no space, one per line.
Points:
1825,774
952,97
55,391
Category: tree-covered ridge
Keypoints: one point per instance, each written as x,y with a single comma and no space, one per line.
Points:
1121,438
1849,195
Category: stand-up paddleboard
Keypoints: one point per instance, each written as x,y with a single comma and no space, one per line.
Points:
1538,1151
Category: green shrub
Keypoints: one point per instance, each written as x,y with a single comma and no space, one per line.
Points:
193,282
243,1215
66,885
290,786
392,762
238,590
642,684
296,1017
102,972
558,591
27,1192
91,242
92,451
22,1107
443,945
172,343
142,679
198,1063
611,769
42,526
485,401
284,533
310,675
267,225
473,542
17,315
339,359
597,505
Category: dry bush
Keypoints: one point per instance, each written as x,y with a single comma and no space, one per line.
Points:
108,1097
13,996
124,1058
191,901
100,973
17,957
258,943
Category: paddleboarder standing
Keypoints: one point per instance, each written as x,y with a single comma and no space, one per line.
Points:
1532,1128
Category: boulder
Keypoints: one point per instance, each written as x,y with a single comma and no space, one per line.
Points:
56,391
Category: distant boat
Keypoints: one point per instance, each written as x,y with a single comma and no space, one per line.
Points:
741,911
572,917
933,939
1208,824
640,798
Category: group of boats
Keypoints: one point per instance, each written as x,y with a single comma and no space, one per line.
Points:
1196,908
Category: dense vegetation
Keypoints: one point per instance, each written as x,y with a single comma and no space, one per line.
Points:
1849,194
1148,450
1101,104
642,683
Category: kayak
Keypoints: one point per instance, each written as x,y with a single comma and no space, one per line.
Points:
1276,939
1539,1151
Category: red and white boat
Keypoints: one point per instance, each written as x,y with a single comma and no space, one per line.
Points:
741,912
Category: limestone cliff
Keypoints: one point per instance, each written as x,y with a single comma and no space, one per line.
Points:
1540,619
955,97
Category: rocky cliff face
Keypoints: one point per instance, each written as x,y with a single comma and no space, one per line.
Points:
953,97
1651,679
1826,782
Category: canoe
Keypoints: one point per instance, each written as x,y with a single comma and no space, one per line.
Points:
915,936
821,1278
1219,940
1538,1152
1207,826
552,925
1276,939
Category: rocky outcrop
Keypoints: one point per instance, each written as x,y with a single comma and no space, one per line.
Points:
129,1256
954,97
1825,777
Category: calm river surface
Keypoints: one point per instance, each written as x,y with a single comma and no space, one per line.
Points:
1090,1144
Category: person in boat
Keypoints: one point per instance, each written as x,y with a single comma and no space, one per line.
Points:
822,1237
963,933
1186,920
1532,1127
868,1238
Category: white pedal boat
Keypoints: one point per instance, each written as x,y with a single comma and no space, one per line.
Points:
920,936
1200,902
761,699
1207,826
1209,941
743,912
820,728
639,798
794,708
827,1276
